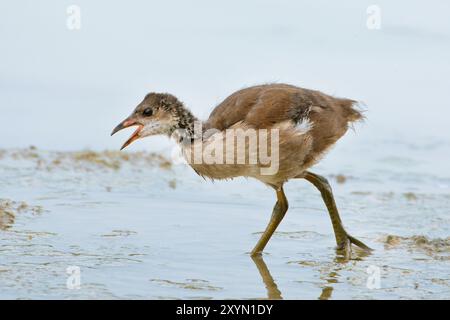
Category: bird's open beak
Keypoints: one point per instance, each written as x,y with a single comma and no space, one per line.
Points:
126,124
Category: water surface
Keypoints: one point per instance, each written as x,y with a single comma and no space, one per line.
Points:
139,227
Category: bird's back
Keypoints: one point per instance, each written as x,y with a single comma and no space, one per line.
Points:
264,106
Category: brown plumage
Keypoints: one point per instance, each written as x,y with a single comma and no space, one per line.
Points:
306,122
284,106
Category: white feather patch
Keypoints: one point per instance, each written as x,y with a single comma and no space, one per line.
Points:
304,126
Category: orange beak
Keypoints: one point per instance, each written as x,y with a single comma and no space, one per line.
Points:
126,124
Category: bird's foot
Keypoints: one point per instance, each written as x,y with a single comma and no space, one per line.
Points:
344,247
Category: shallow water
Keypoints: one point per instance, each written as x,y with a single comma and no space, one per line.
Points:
138,227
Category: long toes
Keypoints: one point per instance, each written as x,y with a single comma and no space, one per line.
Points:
345,247
359,244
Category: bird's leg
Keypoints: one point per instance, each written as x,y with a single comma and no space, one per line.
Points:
343,239
277,215
272,290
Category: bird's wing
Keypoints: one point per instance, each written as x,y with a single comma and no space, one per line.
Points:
272,105
233,109
266,105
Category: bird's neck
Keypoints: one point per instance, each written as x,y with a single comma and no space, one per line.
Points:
188,126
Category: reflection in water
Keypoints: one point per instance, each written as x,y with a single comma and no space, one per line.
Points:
272,290
339,263
326,293
331,276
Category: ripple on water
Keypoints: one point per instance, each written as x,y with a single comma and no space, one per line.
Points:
189,284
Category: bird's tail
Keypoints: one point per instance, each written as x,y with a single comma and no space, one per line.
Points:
351,110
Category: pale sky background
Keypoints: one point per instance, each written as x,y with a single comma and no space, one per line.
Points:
63,89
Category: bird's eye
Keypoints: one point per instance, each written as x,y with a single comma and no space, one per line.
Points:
148,112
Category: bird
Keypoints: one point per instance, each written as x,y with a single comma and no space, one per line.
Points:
305,125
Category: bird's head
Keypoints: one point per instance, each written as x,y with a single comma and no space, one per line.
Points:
157,114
